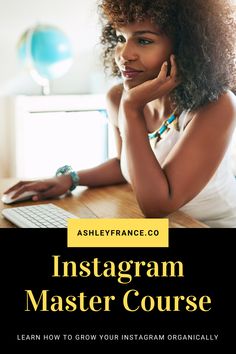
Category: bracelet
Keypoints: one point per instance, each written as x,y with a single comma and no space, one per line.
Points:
68,170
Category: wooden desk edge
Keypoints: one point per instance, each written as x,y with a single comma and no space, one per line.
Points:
86,203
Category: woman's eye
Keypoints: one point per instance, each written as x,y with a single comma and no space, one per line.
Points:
120,39
144,41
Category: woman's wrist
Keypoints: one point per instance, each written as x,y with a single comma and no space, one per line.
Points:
65,181
131,105
131,118
71,174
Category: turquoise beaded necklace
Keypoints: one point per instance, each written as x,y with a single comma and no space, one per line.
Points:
164,128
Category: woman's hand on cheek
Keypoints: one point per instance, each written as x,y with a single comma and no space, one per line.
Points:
150,90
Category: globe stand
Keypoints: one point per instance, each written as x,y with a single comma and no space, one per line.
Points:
45,90
42,81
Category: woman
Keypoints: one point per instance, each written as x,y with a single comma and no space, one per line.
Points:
174,112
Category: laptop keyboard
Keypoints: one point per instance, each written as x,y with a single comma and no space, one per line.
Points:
38,216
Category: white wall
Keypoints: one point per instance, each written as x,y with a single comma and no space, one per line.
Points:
78,19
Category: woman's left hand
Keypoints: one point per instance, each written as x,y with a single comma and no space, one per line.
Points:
150,90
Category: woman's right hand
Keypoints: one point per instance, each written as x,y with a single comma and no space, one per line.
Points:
46,188
137,97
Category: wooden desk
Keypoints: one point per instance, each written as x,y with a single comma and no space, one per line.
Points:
105,202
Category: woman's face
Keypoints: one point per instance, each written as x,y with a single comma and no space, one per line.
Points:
140,51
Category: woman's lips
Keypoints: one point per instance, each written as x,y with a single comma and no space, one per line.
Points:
130,73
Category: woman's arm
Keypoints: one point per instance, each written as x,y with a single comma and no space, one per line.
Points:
161,190
107,173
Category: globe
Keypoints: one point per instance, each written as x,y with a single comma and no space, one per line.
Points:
46,51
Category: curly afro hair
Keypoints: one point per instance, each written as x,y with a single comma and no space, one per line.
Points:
203,35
